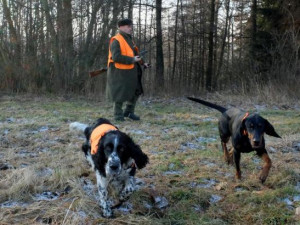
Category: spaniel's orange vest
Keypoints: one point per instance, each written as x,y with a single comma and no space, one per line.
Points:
97,134
125,50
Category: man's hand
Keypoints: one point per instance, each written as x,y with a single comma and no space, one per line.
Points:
147,65
137,58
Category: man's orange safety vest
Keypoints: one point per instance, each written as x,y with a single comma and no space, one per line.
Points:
97,134
125,50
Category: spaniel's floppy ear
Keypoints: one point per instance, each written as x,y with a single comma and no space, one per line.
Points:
140,158
87,132
100,159
86,148
269,129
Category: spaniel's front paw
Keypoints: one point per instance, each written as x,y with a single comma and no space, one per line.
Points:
106,211
125,194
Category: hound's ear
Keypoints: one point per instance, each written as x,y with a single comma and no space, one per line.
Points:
269,129
243,126
140,158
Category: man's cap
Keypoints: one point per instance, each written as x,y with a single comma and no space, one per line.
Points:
124,22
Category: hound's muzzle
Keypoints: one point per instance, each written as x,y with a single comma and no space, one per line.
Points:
256,141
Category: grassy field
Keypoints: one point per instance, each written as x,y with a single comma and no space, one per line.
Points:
44,178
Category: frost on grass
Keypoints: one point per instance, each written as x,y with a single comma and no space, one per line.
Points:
204,183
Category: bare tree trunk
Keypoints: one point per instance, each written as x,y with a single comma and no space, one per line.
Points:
241,29
65,37
68,43
139,25
15,43
130,8
14,39
145,26
216,41
169,54
42,65
209,72
30,58
221,59
183,44
202,49
54,41
175,43
85,55
191,63
150,79
254,28
108,27
159,76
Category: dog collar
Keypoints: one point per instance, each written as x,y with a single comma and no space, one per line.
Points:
245,116
97,134
133,165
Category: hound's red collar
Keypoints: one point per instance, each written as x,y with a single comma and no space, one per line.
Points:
245,116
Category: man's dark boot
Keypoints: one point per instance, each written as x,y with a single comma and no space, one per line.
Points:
129,110
131,116
118,112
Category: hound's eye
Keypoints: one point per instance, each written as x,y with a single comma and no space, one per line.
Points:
251,126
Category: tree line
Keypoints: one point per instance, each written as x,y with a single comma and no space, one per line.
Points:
193,45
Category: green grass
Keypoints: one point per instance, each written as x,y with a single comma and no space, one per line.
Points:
172,134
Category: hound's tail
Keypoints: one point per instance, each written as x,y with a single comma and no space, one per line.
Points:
208,104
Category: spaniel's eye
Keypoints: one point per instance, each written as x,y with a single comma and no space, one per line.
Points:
109,147
120,148
251,126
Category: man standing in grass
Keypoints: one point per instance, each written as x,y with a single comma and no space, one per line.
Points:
124,66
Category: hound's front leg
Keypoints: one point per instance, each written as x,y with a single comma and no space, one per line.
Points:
227,155
266,167
237,158
128,189
102,184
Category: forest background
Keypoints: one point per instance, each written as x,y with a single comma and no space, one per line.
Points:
194,46
243,53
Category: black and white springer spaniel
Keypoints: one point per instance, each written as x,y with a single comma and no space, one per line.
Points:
114,157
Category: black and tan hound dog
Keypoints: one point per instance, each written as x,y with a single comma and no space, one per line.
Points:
247,135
